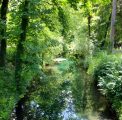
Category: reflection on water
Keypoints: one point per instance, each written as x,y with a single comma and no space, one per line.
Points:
63,95
69,112
64,100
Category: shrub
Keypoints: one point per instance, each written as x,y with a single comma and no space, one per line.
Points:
108,74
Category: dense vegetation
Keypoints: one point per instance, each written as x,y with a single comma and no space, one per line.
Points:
35,34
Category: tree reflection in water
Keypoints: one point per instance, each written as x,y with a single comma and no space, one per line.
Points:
60,96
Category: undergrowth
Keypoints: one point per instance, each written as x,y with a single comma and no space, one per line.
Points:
107,71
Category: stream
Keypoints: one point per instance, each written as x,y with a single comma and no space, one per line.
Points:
72,98
69,113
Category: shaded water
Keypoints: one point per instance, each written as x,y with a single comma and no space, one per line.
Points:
66,94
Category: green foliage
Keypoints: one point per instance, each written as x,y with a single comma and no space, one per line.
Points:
7,92
107,71
57,28
53,26
95,61
74,3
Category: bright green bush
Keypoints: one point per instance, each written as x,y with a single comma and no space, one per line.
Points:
108,74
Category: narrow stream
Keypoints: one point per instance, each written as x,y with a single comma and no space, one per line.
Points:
71,99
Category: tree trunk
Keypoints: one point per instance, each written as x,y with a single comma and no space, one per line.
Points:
102,46
4,8
65,27
63,21
19,62
20,47
89,25
0,1
120,7
113,20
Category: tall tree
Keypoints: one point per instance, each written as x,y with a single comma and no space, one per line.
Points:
113,20
4,8
19,53
89,25
63,19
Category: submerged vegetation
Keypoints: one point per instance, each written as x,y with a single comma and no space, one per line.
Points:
60,60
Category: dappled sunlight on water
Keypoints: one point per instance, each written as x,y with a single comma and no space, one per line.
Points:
69,112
